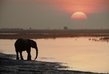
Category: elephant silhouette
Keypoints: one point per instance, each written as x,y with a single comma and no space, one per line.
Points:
25,45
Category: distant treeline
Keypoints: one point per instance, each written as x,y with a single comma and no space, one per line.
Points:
20,30
9,29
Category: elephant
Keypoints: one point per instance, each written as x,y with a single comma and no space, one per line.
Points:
25,45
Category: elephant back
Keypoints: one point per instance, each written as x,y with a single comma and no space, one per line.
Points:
22,44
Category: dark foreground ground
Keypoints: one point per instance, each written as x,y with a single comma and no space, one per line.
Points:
10,66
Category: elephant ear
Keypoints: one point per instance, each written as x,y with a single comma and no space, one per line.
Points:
32,43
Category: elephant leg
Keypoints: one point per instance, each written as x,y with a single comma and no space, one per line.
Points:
21,56
17,56
29,55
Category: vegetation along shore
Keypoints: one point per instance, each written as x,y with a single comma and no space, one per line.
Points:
48,33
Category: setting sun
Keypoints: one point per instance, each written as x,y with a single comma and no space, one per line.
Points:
79,15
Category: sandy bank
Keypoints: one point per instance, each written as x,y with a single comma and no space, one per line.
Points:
10,66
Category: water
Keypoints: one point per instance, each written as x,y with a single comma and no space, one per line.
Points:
77,53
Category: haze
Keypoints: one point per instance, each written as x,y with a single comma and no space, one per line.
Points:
53,14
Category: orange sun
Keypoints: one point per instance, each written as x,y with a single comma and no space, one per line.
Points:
79,16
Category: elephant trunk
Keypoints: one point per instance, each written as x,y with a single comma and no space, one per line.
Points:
36,53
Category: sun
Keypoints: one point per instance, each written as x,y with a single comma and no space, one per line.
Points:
79,16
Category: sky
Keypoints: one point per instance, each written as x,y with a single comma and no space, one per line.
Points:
53,14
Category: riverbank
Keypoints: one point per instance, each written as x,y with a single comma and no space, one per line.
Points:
8,65
38,34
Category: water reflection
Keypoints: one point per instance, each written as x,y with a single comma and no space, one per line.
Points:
78,53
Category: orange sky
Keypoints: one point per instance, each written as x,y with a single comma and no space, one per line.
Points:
87,6
54,14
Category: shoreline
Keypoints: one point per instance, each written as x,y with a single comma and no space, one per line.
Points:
8,65
52,36
38,34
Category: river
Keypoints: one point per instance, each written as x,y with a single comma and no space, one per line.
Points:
79,53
